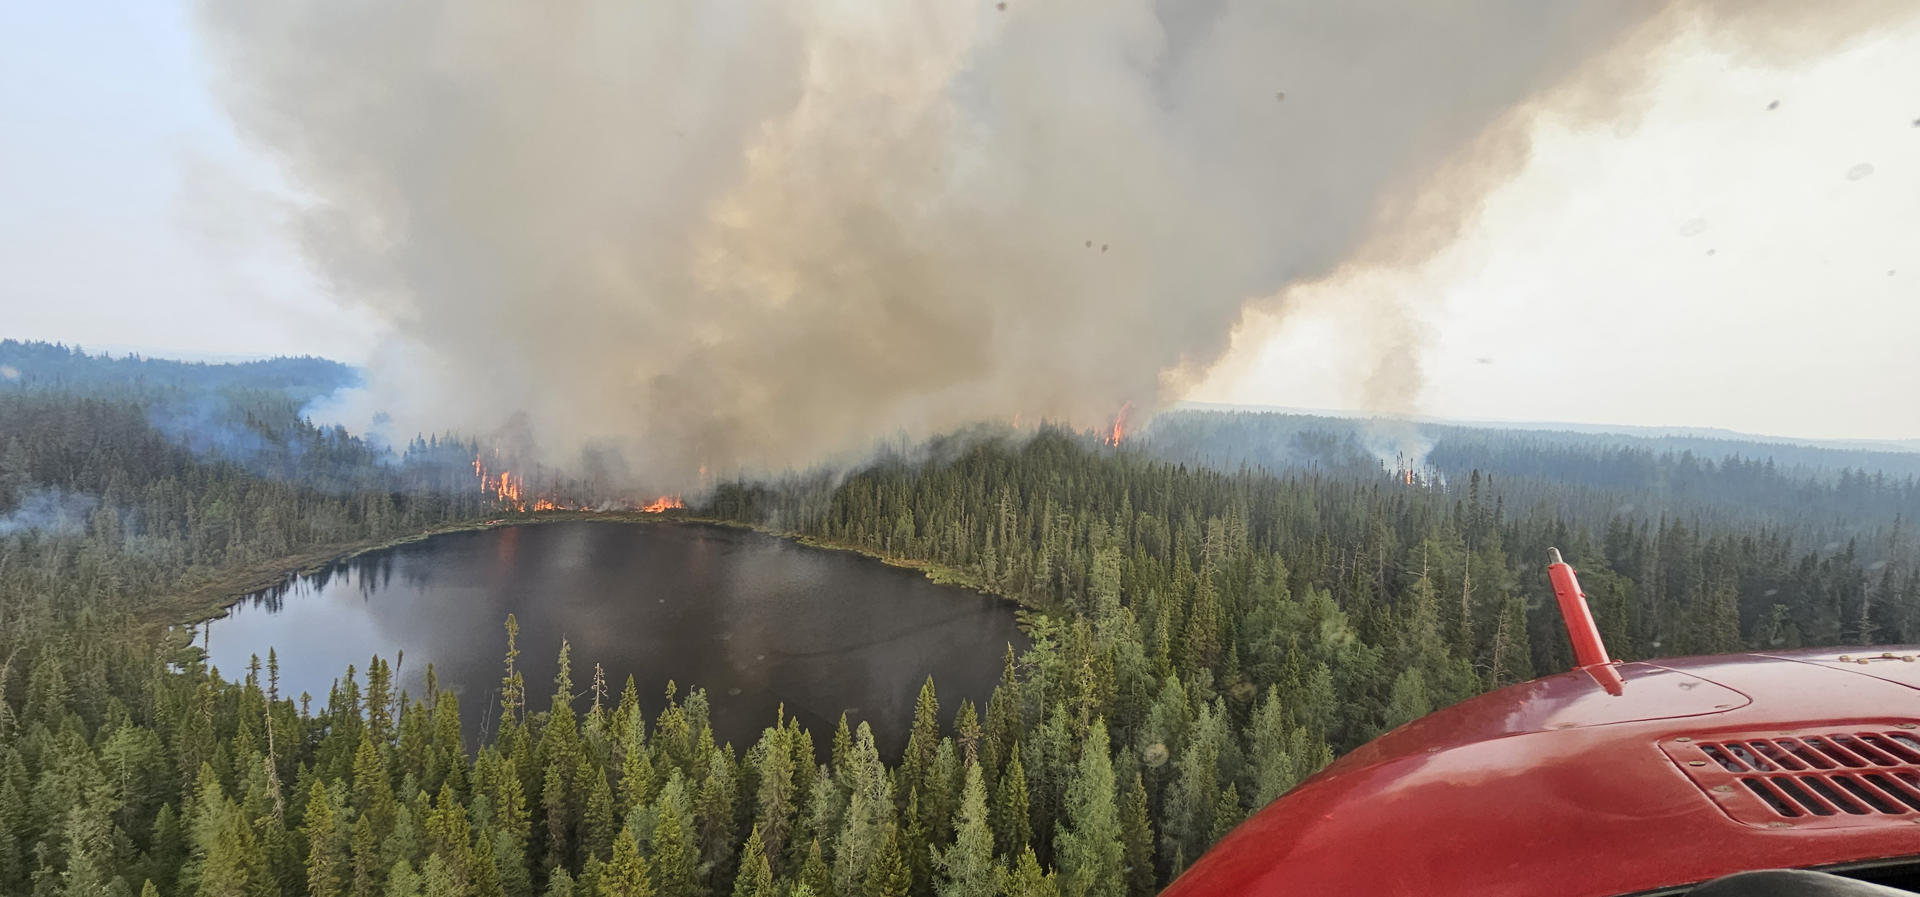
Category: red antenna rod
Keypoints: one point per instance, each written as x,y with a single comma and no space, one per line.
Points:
1589,653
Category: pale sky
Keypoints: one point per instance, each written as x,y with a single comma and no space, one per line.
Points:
1702,261
1708,263
131,216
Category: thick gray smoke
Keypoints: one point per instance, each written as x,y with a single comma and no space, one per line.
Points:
747,234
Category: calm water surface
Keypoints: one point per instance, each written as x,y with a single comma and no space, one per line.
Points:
756,621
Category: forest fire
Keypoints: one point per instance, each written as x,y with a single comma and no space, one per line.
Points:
664,504
510,490
1119,424
504,487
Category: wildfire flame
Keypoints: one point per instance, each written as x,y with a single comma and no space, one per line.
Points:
510,489
1119,425
503,487
663,504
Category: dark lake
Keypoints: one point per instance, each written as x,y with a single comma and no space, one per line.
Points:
755,620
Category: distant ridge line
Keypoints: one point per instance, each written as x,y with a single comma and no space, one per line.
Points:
1900,446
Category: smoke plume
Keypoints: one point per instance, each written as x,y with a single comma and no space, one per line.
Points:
746,234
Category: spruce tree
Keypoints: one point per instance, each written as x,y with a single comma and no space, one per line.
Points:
755,878
1409,699
675,857
402,881
1012,815
967,868
625,874
869,816
596,828
774,799
1136,834
888,874
1027,879
923,740
326,861
1088,846
814,873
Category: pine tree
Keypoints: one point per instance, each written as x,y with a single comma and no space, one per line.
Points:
715,810
596,829
1012,815
372,795
366,856
967,868
1027,879
625,875
774,800
1512,651
438,878
326,861
755,878
869,816
888,875
560,796
923,740
1226,813
1003,716
402,881
1088,845
814,873
1273,770
1136,835
90,848
674,856
1409,699
513,688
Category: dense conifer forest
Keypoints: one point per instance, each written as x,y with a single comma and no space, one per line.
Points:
1206,632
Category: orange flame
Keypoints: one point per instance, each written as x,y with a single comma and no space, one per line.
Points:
510,489
1119,424
664,503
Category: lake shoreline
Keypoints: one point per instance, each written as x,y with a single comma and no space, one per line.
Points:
757,621
179,615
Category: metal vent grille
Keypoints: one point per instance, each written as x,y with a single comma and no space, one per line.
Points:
1831,776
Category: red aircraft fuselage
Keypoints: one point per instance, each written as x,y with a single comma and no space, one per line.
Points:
1696,768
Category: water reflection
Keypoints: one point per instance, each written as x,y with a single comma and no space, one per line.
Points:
757,621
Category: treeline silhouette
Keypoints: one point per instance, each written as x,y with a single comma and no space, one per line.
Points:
1819,495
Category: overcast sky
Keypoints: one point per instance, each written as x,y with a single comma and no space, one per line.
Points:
1702,260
